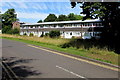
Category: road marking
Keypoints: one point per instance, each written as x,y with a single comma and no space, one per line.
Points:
70,72
90,62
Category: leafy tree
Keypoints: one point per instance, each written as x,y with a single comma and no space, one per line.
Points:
40,21
0,22
71,16
109,13
54,33
50,18
78,17
63,18
8,17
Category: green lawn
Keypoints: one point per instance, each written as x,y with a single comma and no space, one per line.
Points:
92,53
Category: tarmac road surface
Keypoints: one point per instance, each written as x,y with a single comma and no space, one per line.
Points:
32,62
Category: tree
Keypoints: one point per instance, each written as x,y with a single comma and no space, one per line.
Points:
78,17
0,21
71,16
54,34
40,21
50,18
9,17
63,18
109,13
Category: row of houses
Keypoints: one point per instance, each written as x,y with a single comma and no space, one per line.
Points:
68,29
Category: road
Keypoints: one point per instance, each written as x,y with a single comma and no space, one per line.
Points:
0,58
31,62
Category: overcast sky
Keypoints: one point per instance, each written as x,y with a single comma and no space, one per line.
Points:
33,10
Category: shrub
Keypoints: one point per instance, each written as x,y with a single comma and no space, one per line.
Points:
15,31
73,37
42,34
54,34
31,34
66,45
10,31
24,34
6,29
46,34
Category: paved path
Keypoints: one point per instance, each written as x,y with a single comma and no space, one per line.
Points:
31,62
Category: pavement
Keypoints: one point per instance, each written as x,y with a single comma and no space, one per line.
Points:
28,61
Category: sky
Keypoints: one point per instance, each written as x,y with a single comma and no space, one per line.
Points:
33,10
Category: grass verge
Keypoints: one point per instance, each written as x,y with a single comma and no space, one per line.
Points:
93,53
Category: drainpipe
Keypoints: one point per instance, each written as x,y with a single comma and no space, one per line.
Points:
81,30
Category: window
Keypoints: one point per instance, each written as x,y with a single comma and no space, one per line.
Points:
37,31
90,24
77,33
85,24
71,33
97,24
94,24
100,24
66,32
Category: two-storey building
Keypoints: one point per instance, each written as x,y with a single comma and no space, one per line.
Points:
68,29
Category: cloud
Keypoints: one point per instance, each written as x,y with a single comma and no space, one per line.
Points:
16,4
34,15
35,1
25,5
22,5
37,6
0,7
39,10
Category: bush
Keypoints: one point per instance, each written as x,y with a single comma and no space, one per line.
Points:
15,31
73,37
6,29
42,34
46,34
31,34
9,30
66,45
54,34
25,34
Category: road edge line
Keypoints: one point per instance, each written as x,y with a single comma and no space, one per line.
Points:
72,57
